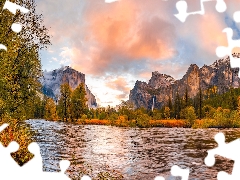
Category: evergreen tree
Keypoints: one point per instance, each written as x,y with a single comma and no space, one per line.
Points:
186,98
177,106
200,103
64,102
39,107
79,102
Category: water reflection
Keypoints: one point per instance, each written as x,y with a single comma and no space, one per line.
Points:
136,153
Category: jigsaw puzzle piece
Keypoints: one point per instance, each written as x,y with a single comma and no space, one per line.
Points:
181,6
159,178
221,6
3,126
227,150
222,51
223,176
9,166
177,171
12,7
64,164
182,11
85,177
34,168
236,16
35,164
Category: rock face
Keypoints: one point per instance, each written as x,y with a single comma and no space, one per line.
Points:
52,80
162,87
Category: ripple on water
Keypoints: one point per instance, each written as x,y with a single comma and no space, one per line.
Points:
136,153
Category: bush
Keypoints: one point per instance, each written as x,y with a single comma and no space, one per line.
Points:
122,121
157,116
102,116
113,117
189,114
143,120
208,111
83,119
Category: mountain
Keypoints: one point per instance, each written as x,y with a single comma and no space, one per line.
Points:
162,87
52,80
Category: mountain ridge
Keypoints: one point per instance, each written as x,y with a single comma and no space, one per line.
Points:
163,87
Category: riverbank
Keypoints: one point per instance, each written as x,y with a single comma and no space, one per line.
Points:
123,123
164,123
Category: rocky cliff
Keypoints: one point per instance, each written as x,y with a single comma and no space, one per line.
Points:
52,80
161,87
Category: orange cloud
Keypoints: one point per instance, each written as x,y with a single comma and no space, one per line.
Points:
121,33
119,84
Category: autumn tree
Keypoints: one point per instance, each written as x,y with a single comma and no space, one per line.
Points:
127,108
20,64
50,110
167,112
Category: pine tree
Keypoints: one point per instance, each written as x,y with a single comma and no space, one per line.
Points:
64,102
39,107
200,103
78,102
177,106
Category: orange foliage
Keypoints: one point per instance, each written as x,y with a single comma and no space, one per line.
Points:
22,135
95,122
167,123
121,121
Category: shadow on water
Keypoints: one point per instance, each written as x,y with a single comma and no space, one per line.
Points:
135,153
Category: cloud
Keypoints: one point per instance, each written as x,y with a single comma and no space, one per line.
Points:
54,59
132,37
121,85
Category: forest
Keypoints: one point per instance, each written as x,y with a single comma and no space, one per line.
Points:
206,109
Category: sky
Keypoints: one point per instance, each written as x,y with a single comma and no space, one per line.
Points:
115,44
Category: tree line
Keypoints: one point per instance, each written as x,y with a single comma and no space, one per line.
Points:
71,106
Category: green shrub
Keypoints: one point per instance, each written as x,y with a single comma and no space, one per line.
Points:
209,111
102,116
113,117
223,117
157,116
189,114
143,120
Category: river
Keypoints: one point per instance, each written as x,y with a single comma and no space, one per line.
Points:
133,152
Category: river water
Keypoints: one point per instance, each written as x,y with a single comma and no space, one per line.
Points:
133,152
